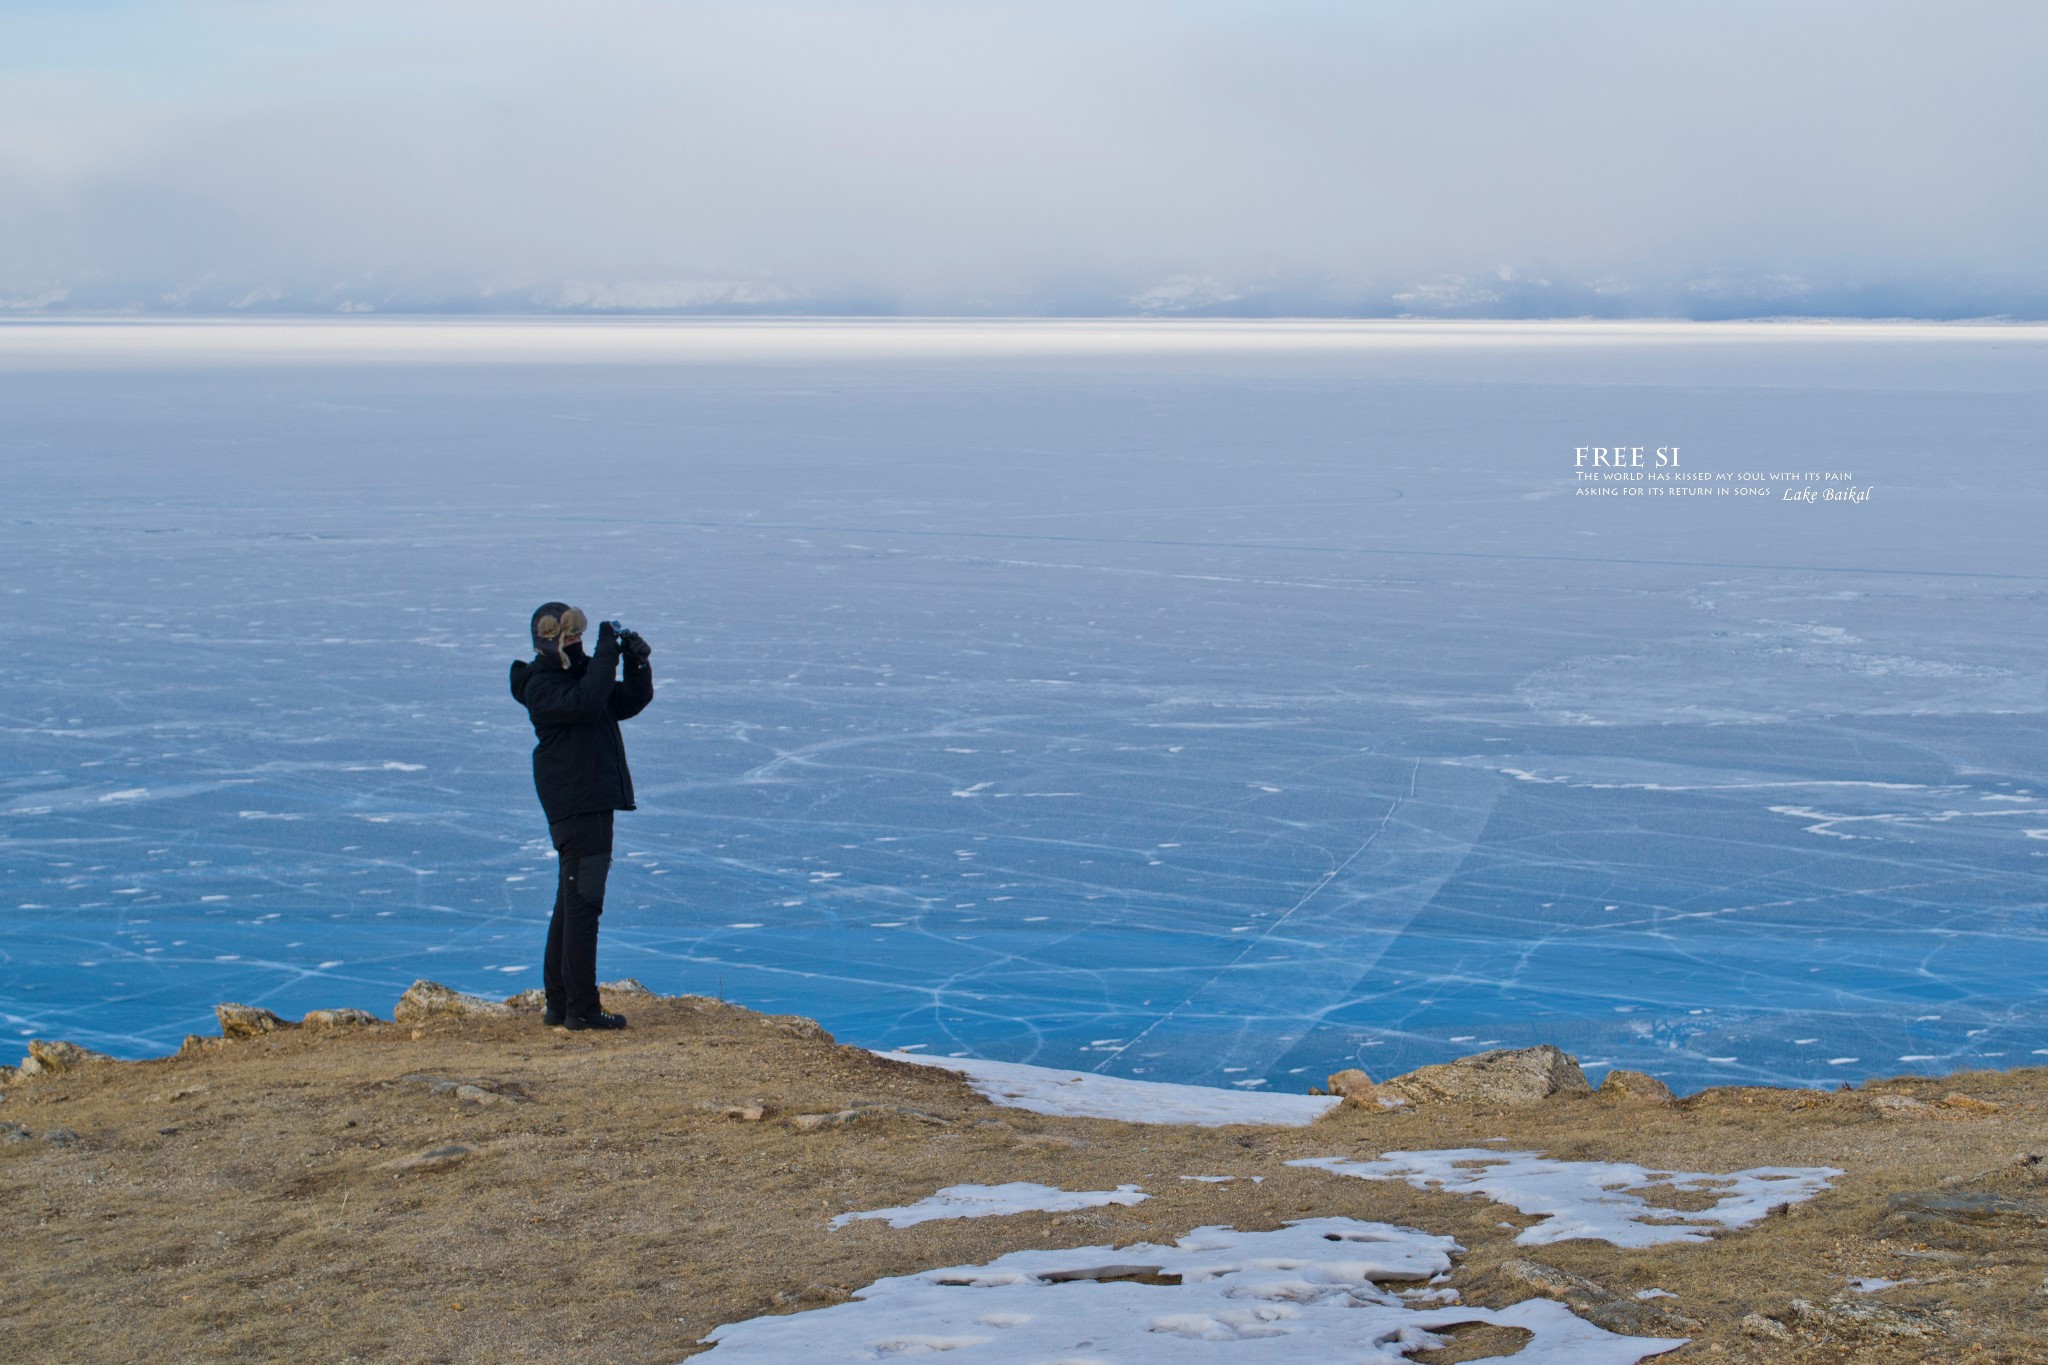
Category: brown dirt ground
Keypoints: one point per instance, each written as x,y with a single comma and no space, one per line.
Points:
237,1202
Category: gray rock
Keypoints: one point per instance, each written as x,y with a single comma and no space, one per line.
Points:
435,1159
1768,1329
1507,1076
1875,1321
473,1089
747,1111
2029,1169
811,1123
487,1095
1970,1220
12,1133
796,1026
1900,1107
535,999
341,1018
47,1058
1965,1206
1637,1087
61,1137
247,1021
626,986
425,1000
1598,1304
809,1296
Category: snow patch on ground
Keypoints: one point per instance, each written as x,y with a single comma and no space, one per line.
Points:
1310,1291
1870,1284
1083,1094
1597,1199
989,1201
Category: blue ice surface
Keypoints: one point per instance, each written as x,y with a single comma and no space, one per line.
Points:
1218,715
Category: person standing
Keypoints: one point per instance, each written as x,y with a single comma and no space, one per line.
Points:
576,702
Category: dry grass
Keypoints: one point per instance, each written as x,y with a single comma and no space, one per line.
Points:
256,1200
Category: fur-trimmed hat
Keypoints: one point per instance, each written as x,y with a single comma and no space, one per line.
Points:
552,621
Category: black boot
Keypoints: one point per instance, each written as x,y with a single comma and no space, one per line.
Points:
576,1023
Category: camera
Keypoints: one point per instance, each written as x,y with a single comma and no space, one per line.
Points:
630,641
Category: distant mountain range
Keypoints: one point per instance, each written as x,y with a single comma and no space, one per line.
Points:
1501,293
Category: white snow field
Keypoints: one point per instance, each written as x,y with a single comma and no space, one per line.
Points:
1221,703
993,1201
1311,1291
1085,1094
1603,1200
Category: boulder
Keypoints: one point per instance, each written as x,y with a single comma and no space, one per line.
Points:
425,1000
1353,1085
1637,1087
1968,1104
796,1026
1505,1076
247,1021
1900,1106
535,999
341,1018
48,1057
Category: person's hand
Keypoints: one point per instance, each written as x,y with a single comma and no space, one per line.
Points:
607,634
635,644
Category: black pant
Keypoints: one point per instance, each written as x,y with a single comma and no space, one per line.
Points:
583,846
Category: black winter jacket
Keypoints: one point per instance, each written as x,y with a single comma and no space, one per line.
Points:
579,765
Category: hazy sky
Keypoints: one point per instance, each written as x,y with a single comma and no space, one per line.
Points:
1430,156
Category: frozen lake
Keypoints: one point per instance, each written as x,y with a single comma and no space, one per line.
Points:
1221,703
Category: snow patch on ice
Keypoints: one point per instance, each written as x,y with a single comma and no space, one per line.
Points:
1308,1291
1083,1094
1596,1199
989,1201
